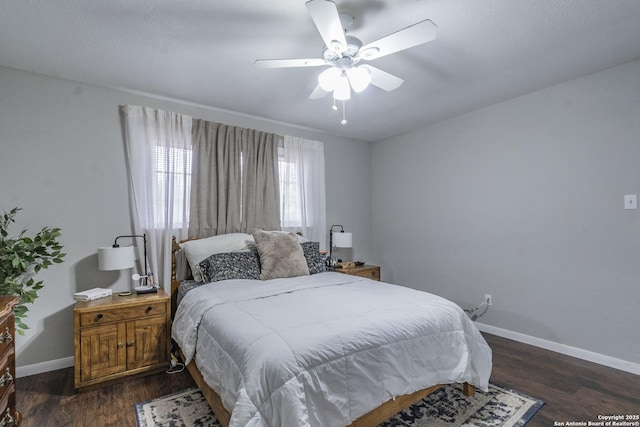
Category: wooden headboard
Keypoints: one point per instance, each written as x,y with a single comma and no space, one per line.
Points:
175,283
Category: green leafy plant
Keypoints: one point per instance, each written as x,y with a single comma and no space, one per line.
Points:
21,258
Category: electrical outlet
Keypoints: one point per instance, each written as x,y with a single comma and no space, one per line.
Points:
488,300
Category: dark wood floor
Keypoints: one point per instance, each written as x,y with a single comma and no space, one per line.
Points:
574,390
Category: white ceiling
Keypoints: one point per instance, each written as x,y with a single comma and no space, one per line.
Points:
203,51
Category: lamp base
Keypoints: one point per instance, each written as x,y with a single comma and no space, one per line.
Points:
146,290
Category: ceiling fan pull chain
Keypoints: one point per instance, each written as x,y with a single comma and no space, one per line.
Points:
344,112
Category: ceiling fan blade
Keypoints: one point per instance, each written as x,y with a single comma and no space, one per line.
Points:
288,63
318,93
325,15
382,79
411,36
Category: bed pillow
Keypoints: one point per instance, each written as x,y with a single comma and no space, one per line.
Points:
312,255
230,265
299,237
182,270
199,250
280,255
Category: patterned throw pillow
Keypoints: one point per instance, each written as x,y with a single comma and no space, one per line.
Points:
230,265
312,255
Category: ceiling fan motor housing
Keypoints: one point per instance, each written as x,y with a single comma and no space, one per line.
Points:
347,56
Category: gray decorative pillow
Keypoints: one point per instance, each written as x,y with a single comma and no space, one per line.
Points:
230,265
280,255
311,252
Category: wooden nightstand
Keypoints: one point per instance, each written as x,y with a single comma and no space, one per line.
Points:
368,271
118,338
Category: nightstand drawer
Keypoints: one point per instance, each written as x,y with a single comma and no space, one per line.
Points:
119,314
372,273
369,271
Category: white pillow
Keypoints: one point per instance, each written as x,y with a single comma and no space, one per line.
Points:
201,249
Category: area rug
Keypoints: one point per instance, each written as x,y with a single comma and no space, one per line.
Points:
499,407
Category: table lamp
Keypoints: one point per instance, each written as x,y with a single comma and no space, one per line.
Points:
338,240
121,258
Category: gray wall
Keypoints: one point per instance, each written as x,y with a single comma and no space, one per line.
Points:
62,160
524,200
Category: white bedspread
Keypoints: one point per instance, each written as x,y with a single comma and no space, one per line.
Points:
325,349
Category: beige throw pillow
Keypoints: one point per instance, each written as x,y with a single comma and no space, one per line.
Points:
280,255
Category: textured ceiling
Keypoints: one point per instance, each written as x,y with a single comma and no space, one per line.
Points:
203,52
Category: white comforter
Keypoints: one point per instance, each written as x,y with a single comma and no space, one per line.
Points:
325,349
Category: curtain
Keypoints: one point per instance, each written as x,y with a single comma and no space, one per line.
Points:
234,180
215,202
158,156
302,188
260,192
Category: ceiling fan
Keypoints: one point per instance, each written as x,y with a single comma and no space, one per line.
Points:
343,53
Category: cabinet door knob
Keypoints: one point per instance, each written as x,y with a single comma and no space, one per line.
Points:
7,419
6,336
149,309
130,343
6,377
99,316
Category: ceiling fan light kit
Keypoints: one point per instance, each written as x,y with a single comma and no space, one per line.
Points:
359,77
342,89
343,52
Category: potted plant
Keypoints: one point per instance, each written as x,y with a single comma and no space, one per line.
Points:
21,258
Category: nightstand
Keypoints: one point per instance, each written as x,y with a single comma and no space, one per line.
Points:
120,337
368,271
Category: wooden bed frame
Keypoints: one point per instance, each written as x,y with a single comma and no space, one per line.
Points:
370,419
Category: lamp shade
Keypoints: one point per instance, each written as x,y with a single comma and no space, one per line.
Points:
342,240
119,258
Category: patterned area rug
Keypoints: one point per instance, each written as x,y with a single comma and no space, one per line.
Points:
499,407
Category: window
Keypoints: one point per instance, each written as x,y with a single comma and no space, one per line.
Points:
301,186
172,183
290,193
179,183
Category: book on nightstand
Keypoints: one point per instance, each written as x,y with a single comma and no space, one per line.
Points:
92,294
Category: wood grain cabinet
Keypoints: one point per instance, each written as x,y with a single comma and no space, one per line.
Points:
368,271
9,416
120,337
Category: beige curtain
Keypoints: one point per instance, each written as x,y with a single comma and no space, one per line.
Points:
234,180
260,190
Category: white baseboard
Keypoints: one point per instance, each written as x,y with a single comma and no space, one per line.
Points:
39,368
579,353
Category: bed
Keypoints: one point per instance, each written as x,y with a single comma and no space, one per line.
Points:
316,349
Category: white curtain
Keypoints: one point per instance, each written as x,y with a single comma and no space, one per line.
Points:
302,189
158,151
